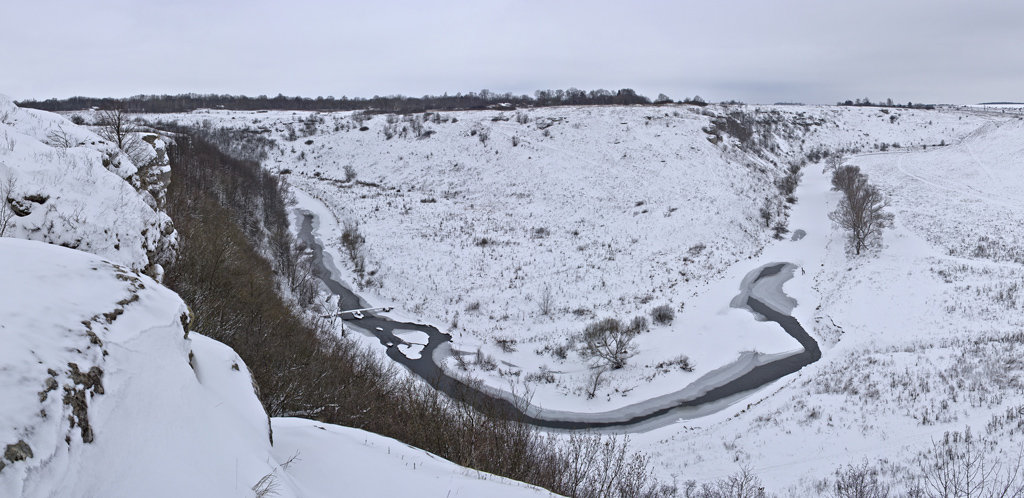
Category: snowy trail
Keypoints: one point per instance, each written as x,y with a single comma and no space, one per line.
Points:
761,293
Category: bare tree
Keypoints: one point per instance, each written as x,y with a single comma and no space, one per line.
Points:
7,185
608,340
859,481
962,464
862,210
846,178
117,126
547,302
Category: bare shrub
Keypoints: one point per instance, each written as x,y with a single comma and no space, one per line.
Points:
547,302
682,362
742,484
663,314
962,465
117,126
352,239
595,381
60,138
485,361
7,186
859,481
543,375
8,142
267,486
507,344
608,341
350,173
638,325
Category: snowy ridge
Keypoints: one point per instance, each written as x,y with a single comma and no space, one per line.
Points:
72,188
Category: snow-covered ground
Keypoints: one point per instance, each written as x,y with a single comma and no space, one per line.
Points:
919,337
560,217
104,394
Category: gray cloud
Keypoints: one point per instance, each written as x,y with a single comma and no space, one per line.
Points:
756,51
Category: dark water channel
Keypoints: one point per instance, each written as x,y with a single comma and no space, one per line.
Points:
730,385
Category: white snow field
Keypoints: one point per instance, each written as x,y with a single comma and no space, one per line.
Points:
104,395
919,336
72,188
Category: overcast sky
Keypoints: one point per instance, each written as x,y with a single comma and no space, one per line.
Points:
757,51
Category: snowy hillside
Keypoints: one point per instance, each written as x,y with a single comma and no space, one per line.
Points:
65,185
514,230
919,337
105,393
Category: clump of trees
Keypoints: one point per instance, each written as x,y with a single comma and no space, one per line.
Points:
866,102
862,209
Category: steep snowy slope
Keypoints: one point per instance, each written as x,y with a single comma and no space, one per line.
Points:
61,183
105,393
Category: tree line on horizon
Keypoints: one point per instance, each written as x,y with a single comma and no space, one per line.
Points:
484,99
866,102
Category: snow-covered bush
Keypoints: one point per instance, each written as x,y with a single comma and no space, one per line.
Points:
663,314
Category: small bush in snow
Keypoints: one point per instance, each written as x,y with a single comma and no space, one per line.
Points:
507,345
547,301
484,361
637,325
350,173
859,481
544,375
663,315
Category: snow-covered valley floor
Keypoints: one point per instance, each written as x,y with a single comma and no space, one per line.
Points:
617,210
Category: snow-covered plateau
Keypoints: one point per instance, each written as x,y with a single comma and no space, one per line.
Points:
513,230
